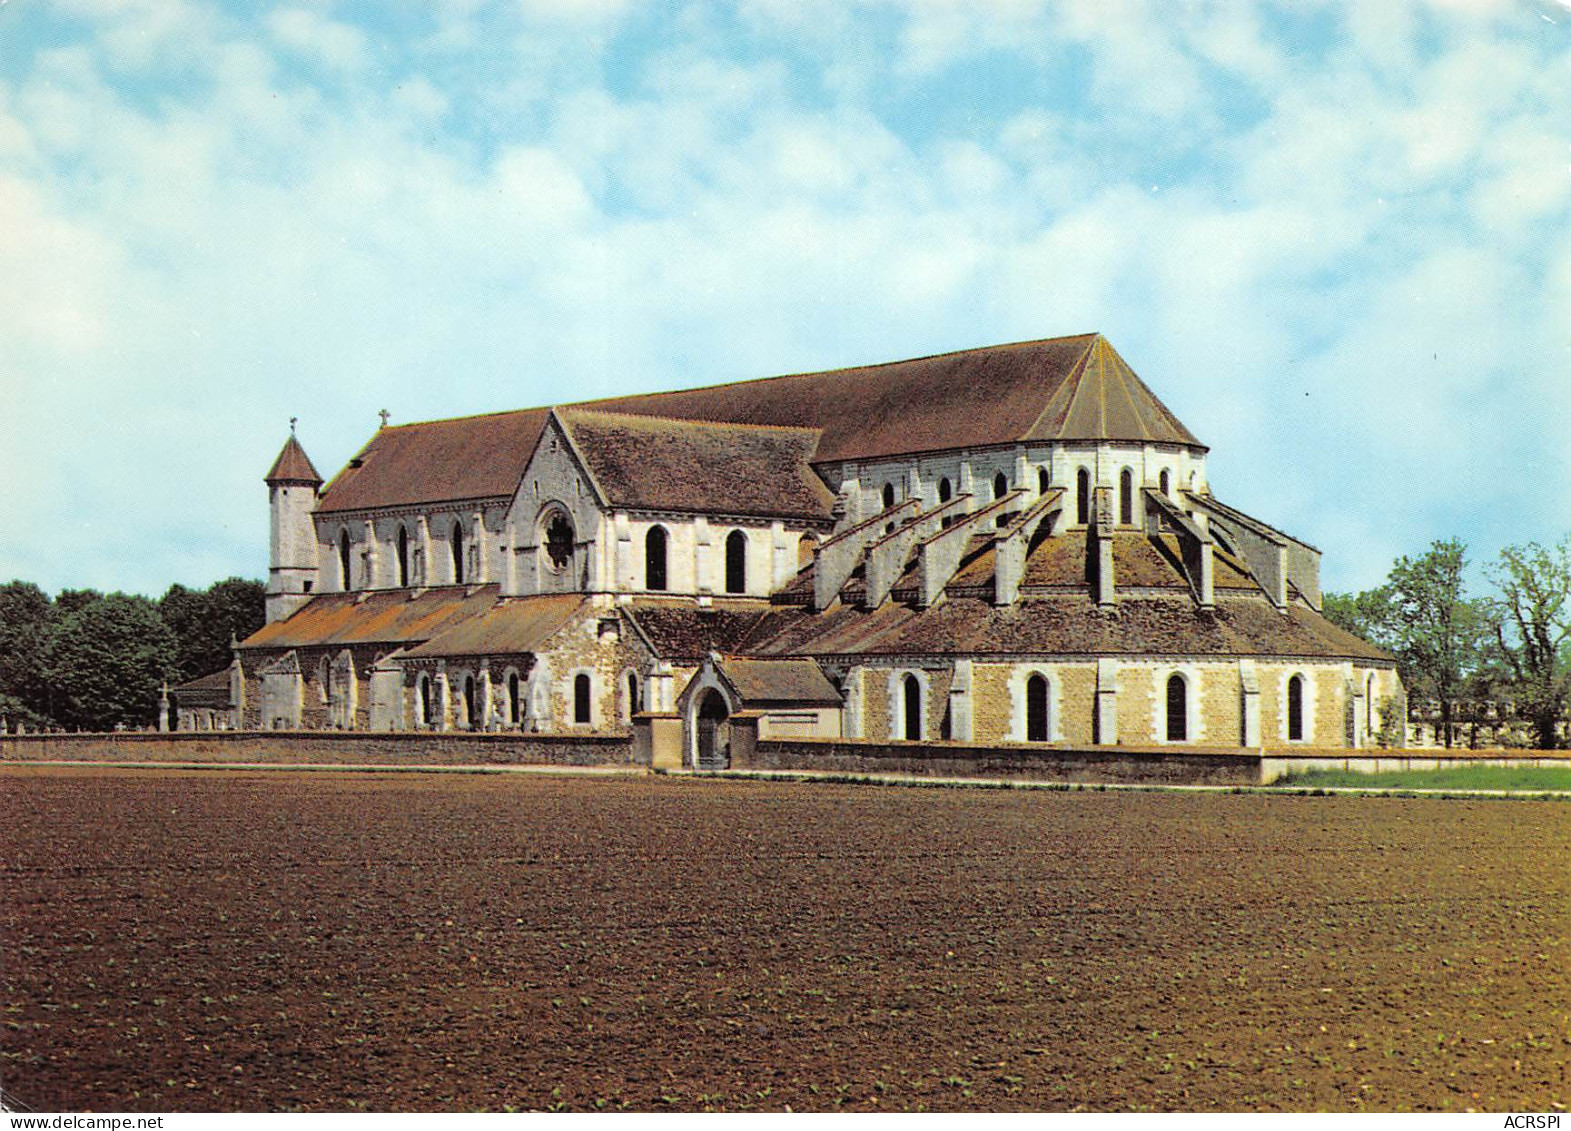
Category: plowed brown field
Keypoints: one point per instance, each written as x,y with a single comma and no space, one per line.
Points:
284,940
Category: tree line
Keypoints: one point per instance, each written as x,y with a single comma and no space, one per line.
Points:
1511,645
86,660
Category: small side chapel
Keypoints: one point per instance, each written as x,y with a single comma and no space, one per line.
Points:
1013,544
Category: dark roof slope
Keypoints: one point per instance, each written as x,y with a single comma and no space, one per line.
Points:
211,690
680,631
1069,624
655,464
293,465
471,457
1071,388
375,616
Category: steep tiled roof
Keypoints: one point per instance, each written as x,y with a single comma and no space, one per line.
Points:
471,457
1073,388
679,630
376,616
292,465
655,464
761,682
1058,389
1102,399
1070,624
210,690
512,626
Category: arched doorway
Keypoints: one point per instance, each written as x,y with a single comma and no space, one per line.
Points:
714,734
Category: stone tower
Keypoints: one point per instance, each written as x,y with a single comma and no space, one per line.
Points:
291,485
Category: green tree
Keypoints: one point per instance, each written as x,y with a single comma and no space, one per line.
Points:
70,600
1532,627
1438,633
204,622
27,618
106,660
1367,615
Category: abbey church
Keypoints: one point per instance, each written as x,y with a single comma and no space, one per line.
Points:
1014,544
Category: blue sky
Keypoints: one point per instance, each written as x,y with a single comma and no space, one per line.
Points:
1332,237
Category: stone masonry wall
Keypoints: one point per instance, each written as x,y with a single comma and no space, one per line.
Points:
330,748
1092,764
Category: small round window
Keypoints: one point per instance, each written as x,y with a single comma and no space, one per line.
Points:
559,541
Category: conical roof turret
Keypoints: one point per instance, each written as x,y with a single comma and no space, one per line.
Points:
293,465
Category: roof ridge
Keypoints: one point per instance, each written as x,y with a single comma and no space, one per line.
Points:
591,405
1134,408
458,419
1073,370
576,409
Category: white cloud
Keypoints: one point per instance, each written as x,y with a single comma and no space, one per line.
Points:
311,35
444,233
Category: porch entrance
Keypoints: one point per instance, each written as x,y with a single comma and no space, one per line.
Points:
714,732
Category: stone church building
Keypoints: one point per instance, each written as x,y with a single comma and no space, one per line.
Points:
1015,544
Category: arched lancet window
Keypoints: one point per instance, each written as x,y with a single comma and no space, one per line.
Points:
945,491
513,702
1000,485
889,495
1082,496
1177,709
458,553
1371,724
403,558
1126,497
655,558
559,541
1166,482
1295,709
1044,480
912,694
736,562
581,698
423,701
1038,725
345,578
633,705
805,548
471,703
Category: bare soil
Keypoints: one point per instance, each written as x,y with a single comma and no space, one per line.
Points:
265,941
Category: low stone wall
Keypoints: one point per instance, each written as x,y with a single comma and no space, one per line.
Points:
323,748
1275,767
1114,765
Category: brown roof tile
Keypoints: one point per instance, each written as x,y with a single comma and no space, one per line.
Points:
761,682
293,465
1069,624
376,616
512,626
210,690
1071,388
680,630
655,464
978,397
471,457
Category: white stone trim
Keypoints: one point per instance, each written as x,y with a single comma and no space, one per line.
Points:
1310,699
1193,717
897,706
571,696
